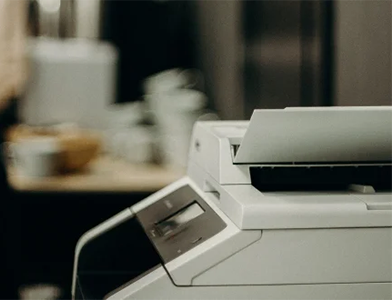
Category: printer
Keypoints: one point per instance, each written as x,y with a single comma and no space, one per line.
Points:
294,204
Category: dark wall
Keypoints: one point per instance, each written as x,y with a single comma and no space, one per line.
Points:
151,36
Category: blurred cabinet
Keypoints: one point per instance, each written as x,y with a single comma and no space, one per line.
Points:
274,54
363,52
265,54
220,51
272,70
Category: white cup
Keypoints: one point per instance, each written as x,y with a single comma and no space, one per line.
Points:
175,149
163,81
137,146
175,113
120,116
177,101
176,110
35,157
131,144
173,79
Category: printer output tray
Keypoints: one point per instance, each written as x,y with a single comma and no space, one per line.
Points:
315,135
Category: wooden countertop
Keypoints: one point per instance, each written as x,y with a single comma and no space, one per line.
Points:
105,174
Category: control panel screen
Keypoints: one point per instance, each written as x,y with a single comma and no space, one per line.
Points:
183,216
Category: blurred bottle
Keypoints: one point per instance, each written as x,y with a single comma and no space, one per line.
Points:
174,106
65,18
51,18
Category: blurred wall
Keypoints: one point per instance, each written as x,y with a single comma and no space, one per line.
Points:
150,36
273,57
220,49
262,54
363,52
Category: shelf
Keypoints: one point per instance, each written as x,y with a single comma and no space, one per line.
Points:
105,174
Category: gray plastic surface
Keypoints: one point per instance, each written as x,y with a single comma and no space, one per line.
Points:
337,134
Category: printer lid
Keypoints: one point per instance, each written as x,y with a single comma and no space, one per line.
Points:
317,135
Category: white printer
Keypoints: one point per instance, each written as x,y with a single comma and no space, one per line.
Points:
295,204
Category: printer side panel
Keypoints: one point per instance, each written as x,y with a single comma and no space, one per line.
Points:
308,256
204,151
157,285
213,154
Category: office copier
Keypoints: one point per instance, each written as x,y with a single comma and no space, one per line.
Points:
294,204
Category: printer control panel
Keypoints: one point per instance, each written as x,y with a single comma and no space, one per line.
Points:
179,222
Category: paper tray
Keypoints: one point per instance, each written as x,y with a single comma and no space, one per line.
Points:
318,135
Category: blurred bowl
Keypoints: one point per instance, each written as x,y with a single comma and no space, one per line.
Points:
78,147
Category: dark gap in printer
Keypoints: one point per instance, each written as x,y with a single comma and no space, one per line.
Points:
235,149
320,178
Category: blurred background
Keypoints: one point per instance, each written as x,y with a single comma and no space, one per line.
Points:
98,99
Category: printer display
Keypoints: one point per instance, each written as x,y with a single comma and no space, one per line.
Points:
294,204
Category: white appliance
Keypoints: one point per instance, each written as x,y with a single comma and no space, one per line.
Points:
295,204
71,80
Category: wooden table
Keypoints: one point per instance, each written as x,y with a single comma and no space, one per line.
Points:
105,174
